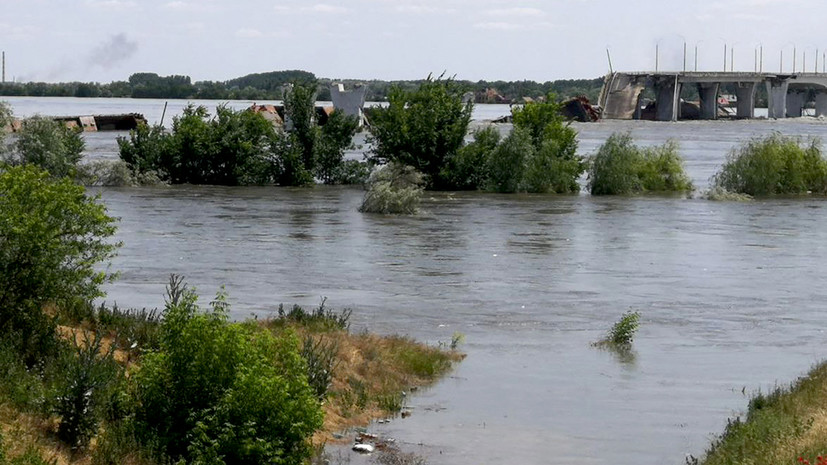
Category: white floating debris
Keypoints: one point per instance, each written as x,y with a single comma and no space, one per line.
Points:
363,448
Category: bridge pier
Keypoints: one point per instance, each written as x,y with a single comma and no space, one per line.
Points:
745,92
668,91
821,103
777,98
708,91
795,103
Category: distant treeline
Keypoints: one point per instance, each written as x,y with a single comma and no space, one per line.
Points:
268,86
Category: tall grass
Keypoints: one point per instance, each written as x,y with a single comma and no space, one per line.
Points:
775,164
621,167
778,428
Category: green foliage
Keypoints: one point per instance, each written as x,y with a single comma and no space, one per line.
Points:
147,148
321,358
423,128
507,163
49,144
394,189
352,172
220,392
320,319
468,169
333,139
621,167
623,332
774,164
52,239
779,426
299,108
540,154
86,371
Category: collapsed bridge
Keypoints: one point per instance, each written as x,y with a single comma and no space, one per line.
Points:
788,94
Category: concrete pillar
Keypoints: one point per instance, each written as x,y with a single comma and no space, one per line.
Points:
745,93
821,102
708,91
777,97
795,103
668,92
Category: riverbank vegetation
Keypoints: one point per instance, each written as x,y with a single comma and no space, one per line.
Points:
86,384
243,148
620,167
786,426
270,86
393,189
774,165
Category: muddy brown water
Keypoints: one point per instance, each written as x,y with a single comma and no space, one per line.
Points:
732,296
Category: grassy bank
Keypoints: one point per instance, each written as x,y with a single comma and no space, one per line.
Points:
358,377
785,426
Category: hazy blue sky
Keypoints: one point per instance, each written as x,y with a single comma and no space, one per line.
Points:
104,40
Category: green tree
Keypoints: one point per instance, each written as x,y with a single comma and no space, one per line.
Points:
468,169
52,239
219,392
300,109
334,137
422,128
507,164
48,144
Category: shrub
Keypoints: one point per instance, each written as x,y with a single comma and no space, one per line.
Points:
220,392
352,172
468,169
86,371
49,144
393,189
507,163
774,164
621,167
321,359
422,128
623,332
320,319
52,239
333,138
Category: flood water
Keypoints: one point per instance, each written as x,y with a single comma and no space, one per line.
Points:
731,295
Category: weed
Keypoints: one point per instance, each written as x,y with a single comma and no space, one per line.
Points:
623,332
391,402
87,370
322,318
321,358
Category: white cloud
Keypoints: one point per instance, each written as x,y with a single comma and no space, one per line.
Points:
111,4
520,12
18,31
249,33
326,8
512,26
423,10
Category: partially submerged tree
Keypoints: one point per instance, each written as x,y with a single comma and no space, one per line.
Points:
423,128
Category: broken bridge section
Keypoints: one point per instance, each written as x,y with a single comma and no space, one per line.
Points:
622,96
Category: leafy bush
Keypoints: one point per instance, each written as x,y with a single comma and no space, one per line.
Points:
774,164
52,238
540,154
86,371
422,128
623,331
320,319
299,108
49,144
393,189
507,163
220,392
333,138
352,172
621,167
468,169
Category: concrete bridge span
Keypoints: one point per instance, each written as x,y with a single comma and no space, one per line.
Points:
787,94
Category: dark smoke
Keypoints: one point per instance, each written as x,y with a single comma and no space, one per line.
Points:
117,49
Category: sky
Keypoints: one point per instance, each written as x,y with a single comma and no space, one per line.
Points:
541,40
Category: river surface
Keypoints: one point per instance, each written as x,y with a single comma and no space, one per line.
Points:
732,295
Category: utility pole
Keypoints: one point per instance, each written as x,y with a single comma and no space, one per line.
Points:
684,57
4,67
657,54
725,58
